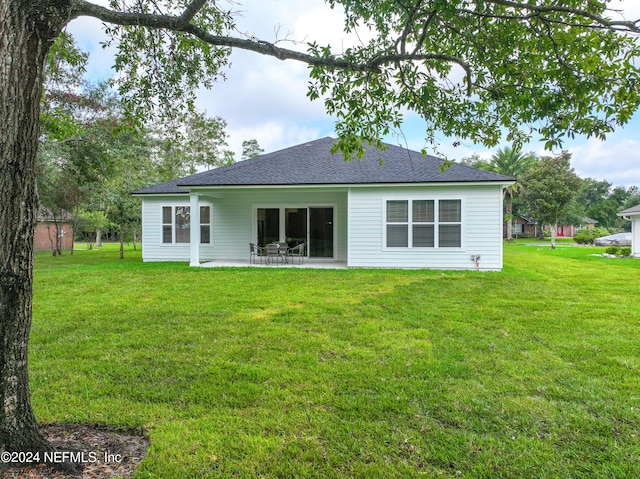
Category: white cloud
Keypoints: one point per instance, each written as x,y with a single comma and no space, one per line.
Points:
616,160
265,98
630,9
273,136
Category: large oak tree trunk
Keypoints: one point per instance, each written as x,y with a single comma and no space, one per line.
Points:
27,30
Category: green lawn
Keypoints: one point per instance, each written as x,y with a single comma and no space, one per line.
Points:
282,373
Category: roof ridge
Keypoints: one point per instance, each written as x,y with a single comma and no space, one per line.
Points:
312,163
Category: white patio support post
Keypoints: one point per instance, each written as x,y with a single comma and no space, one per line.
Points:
194,201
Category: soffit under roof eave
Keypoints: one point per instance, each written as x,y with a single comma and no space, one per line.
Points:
148,195
344,186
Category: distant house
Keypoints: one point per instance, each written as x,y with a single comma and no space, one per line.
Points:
588,223
394,208
52,230
569,231
521,227
633,215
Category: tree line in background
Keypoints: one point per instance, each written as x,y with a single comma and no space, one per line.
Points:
550,193
92,155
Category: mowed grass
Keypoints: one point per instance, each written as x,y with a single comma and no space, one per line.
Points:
281,373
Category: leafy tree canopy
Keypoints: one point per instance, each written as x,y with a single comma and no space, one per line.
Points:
572,70
186,143
251,149
602,201
475,161
511,162
549,190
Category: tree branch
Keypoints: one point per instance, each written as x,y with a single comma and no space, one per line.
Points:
402,40
192,9
183,24
179,24
399,57
625,24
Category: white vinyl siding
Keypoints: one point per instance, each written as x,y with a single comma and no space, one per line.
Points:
154,232
635,235
233,221
469,222
360,224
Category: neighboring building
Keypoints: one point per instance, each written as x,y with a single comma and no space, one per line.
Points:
46,231
588,223
521,227
569,231
394,208
633,215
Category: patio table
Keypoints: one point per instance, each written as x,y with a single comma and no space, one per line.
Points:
277,252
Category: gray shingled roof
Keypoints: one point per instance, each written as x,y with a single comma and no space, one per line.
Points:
168,188
313,164
630,211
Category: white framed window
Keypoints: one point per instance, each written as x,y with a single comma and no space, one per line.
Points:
176,224
423,223
205,224
450,223
517,228
397,223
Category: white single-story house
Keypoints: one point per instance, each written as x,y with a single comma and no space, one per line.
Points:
633,215
393,209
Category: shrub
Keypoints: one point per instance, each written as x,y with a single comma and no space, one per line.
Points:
613,249
586,236
583,237
626,251
546,234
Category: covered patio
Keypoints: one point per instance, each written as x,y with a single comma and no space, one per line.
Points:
308,264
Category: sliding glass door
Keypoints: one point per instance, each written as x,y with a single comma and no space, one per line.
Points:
321,232
268,225
295,226
312,225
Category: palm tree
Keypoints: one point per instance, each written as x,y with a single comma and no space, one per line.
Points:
510,162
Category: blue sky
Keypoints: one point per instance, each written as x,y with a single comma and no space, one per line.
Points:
265,98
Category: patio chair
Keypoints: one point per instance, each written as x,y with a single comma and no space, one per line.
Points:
297,252
256,253
283,249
